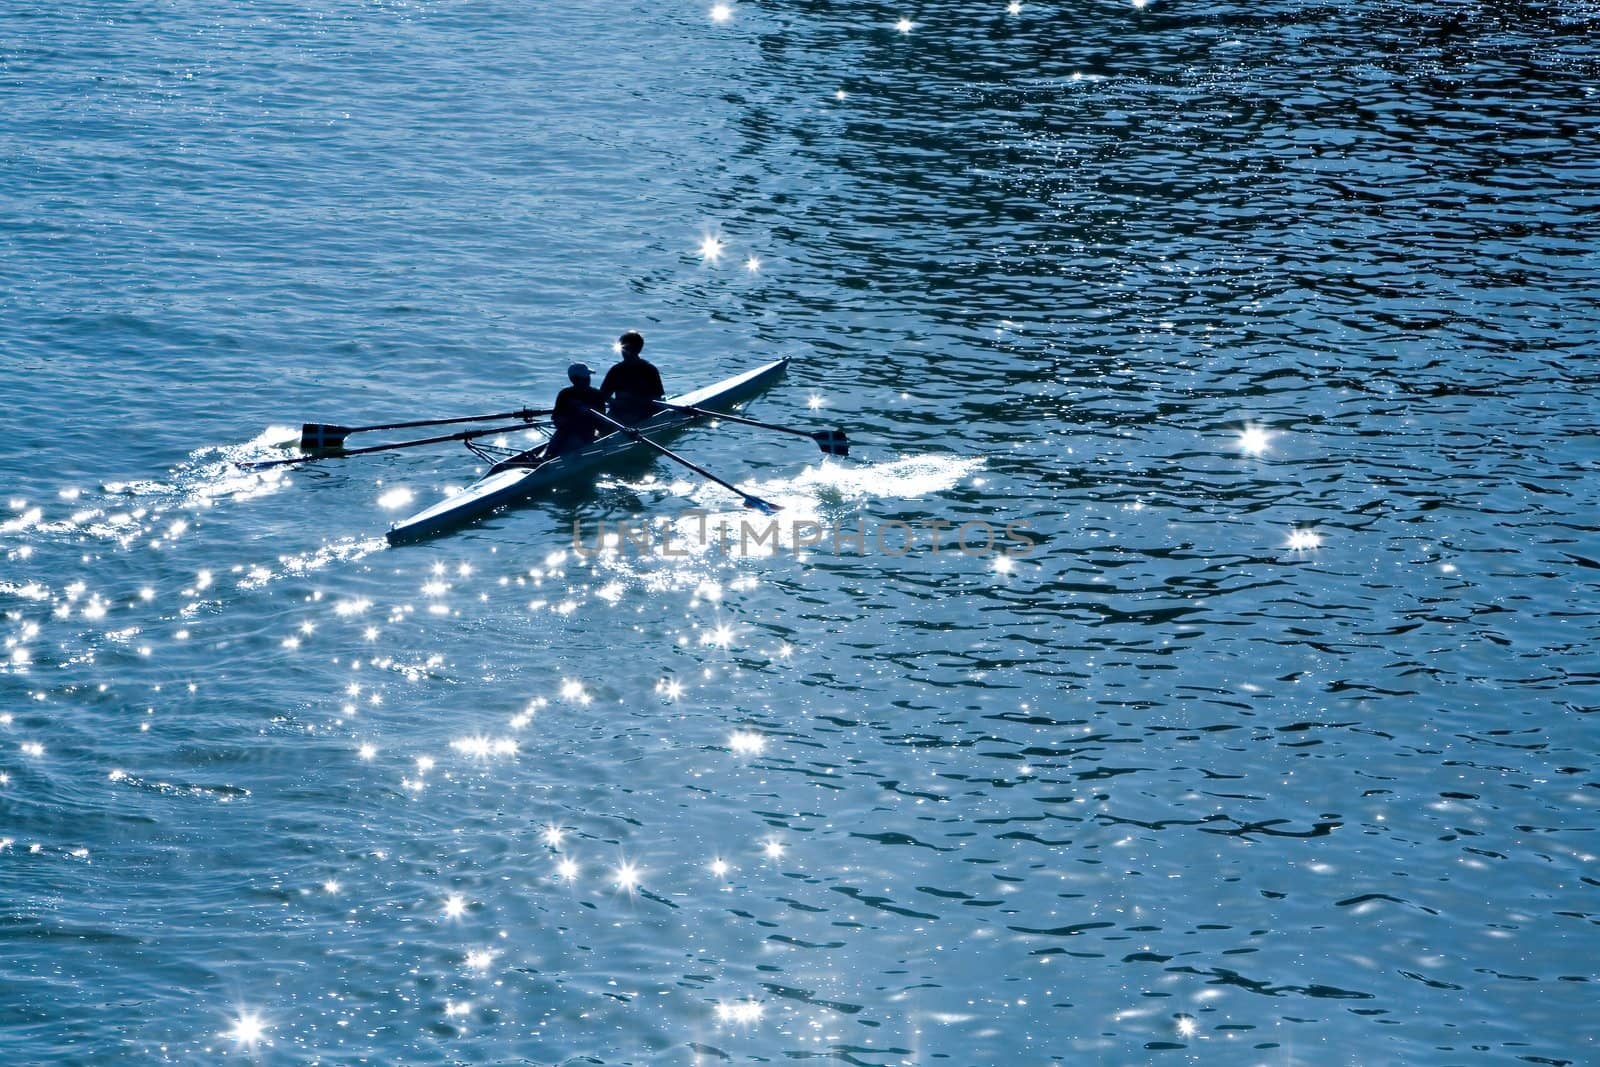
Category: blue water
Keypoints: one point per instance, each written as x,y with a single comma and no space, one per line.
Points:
1269,738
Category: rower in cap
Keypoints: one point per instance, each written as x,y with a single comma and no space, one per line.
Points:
573,414
633,385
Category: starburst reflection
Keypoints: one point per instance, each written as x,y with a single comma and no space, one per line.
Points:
480,960
719,867
552,835
626,877
718,637
248,1029
721,12
397,497
567,870
753,264
1254,440
455,906
773,849
905,25
484,747
711,249
743,1012
1302,539
747,742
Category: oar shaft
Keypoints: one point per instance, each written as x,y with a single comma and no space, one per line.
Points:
751,501
524,413
733,418
329,437
832,442
464,435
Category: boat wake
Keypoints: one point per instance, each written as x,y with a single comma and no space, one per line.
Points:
677,549
139,532
907,478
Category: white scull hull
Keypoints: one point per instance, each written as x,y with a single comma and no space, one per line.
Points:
508,484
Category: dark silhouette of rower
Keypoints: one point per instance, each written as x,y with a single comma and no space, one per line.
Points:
573,414
633,384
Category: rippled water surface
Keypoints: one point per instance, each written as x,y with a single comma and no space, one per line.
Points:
1261,337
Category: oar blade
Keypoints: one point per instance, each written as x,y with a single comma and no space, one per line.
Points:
323,437
766,507
832,442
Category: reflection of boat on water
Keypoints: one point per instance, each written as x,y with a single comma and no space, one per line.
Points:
524,474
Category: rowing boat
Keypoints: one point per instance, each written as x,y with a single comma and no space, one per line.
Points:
525,474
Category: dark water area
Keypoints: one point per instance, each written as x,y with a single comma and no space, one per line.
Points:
1261,340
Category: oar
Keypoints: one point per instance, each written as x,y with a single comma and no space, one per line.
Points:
750,501
832,442
464,435
325,436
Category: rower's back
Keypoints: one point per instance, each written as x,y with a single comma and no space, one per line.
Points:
632,386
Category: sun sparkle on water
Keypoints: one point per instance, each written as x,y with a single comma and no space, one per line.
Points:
721,12
397,497
626,877
744,1012
711,249
1302,539
718,637
747,742
1254,440
248,1029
